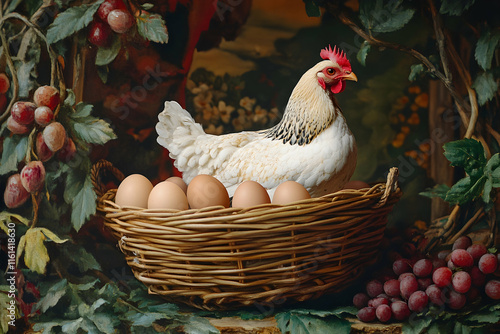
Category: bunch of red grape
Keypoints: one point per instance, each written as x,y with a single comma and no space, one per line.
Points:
451,279
4,87
51,138
112,15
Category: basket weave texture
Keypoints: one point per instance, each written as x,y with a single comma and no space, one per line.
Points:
223,258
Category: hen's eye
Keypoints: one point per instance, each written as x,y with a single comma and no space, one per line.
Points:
330,71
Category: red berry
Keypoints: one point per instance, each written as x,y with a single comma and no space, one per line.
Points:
400,310
23,112
360,300
99,34
442,276
391,288
47,96
456,300
16,128
366,314
443,254
435,294
374,288
462,258
375,302
477,277
408,285
120,20
68,151
462,243
422,268
4,83
418,301
43,115
383,313
401,266
488,263
423,283
461,281
33,176
107,6
477,250
15,195
42,150
492,289
54,136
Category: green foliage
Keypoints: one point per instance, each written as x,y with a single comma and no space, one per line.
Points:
485,48
14,151
105,56
71,21
481,175
300,321
363,52
88,128
415,71
486,87
454,7
312,8
152,27
384,16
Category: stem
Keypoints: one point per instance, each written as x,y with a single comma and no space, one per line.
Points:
474,218
436,19
12,69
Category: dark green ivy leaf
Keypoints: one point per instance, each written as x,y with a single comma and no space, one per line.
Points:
486,46
312,9
54,294
440,190
71,20
90,129
14,150
152,27
416,71
384,16
83,205
363,52
465,190
455,7
104,56
493,170
468,154
486,87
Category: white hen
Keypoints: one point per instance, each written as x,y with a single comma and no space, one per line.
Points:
312,143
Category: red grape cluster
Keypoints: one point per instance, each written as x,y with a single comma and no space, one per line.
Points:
451,279
51,137
112,15
4,87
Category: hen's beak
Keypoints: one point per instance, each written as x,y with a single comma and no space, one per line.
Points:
350,76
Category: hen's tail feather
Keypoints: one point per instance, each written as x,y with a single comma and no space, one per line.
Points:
176,129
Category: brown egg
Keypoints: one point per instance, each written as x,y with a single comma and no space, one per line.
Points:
290,191
356,184
205,190
250,193
167,195
178,181
134,191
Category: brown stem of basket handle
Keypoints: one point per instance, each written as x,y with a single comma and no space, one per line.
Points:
95,175
390,186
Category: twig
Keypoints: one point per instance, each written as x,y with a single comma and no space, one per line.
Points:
436,19
466,226
12,69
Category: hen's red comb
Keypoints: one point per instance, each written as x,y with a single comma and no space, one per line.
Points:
335,55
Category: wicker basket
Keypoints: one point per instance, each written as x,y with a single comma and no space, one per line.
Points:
218,258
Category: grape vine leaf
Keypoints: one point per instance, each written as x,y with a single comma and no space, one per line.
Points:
468,154
384,16
52,297
32,245
104,56
485,48
465,190
486,87
363,52
14,150
454,7
90,129
300,323
152,27
80,194
71,21
415,71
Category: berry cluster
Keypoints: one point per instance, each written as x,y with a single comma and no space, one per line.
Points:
112,15
450,279
51,138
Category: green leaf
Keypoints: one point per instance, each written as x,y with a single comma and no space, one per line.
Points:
71,20
294,323
493,170
485,48
384,15
417,325
487,190
468,154
199,325
70,97
14,150
486,87
144,319
106,323
152,27
363,52
415,71
103,73
90,129
54,294
465,190
147,6
79,255
83,204
455,7
26,73
439,190
312,9
105,56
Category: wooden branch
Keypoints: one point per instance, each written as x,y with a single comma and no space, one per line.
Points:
440,38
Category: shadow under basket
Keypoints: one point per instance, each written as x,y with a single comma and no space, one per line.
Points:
224,258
